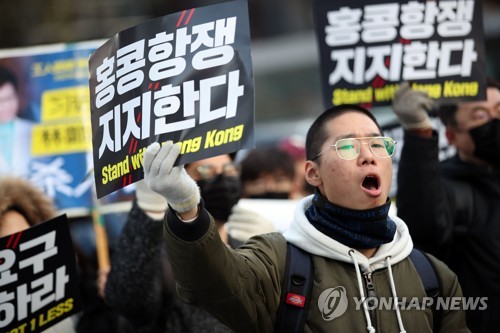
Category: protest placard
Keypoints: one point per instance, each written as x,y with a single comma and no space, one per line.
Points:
45,127
368,47
185,77
38,278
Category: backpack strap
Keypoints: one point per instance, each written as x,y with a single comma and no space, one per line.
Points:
429,277
296,291
299,276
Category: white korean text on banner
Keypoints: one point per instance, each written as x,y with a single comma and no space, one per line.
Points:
45,120
185,77
368,47
38,278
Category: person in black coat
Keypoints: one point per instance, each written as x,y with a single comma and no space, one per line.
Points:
453,208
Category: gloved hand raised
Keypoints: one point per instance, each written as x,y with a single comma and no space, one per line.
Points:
411,107
173,183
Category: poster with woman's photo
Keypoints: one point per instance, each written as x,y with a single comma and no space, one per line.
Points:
45,119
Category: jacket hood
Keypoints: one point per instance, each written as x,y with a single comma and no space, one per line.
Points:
305,236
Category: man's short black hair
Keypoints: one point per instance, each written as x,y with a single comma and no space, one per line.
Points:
317,133
6,76
447,111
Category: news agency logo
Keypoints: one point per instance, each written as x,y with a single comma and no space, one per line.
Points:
452,303
332,303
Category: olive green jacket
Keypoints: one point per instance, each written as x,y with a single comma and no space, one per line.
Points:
242,287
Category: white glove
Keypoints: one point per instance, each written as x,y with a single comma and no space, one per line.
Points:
152,203
244,223
173,183
411,107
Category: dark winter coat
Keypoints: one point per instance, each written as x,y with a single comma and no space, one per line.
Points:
453,211
141,287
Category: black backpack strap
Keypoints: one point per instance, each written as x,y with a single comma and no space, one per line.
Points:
432,285
296,291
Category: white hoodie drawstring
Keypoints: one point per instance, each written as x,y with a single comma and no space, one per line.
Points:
394,295
369,326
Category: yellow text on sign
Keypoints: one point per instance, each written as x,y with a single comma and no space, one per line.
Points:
61,138
65,103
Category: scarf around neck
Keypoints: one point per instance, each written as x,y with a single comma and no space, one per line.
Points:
358,229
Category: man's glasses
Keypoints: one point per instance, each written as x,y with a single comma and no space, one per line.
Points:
208,171
350,148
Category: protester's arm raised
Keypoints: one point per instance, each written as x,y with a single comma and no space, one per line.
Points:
241,288
421,199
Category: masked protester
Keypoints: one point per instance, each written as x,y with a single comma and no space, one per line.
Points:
355,246
219,183
452,208
222,193
218,180
220,186
487,142
267,173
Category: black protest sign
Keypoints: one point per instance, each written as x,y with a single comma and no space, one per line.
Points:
185,77
38,278
368,47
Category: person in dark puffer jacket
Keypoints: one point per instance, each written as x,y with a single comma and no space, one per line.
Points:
457,217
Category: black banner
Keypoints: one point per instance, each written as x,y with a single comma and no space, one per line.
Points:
38,278
185,77
368,47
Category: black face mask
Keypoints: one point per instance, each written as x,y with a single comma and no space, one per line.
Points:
220,194
487,140
270,195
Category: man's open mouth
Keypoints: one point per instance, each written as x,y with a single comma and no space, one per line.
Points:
371,183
